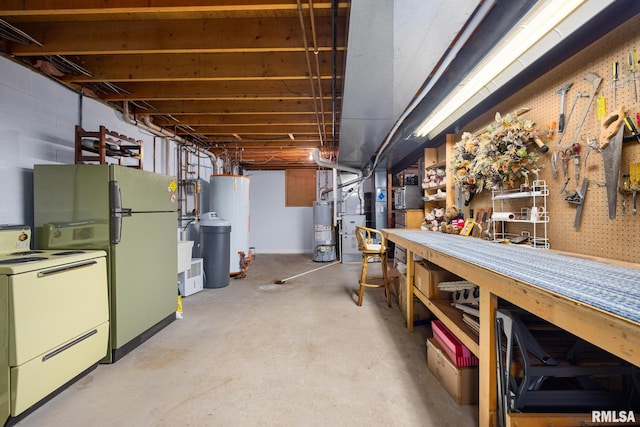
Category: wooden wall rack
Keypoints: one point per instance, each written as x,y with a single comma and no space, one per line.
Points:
98,147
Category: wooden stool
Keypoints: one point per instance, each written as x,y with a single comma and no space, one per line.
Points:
372,252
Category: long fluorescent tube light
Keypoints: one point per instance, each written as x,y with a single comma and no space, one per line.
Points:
542,19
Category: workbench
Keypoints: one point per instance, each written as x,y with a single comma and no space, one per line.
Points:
595,299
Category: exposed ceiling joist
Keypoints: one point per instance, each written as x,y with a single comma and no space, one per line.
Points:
211,70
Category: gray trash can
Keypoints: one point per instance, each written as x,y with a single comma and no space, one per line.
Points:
215,244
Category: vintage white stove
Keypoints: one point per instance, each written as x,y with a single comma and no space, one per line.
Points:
54,318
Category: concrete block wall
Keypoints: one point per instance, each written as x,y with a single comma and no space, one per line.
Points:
37,124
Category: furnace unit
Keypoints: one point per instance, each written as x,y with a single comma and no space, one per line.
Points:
349,248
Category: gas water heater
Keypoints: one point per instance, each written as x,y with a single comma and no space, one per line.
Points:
324,240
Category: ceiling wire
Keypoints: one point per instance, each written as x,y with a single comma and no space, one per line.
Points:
309,69
68,66
334,72
315,55
14,34
284,83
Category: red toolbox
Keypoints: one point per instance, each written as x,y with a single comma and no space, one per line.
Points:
457,352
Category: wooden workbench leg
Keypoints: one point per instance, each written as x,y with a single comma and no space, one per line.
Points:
488,371
409,291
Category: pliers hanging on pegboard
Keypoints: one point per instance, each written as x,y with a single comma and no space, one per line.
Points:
576,159
593,145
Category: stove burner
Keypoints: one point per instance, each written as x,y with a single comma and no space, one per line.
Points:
68,253
22,260
26,253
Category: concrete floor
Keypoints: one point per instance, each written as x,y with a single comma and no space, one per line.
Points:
259,354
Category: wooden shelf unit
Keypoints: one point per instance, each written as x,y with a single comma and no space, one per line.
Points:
451,317
408,218
430,192
96,147
438,158
622,337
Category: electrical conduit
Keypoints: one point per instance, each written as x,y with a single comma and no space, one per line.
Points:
149,126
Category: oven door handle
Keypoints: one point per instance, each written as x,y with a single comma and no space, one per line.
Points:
69,345
66,268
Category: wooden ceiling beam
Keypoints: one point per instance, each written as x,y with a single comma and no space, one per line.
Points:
282,166
173,36
263,152
300,158
202,66
269,156
256,150
275,129
303,118
283,139
261,144
249,106
234,73
211,89
229,98
77,10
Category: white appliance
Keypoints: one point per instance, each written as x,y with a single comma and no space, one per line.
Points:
184,255
56,308
192,280
230,201
349,246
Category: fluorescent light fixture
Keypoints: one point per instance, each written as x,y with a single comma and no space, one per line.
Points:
542,19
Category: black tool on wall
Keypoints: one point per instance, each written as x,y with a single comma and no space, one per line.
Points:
614,82
563,93
631,127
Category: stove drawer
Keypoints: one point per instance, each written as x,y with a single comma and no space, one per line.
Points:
51,306
36,379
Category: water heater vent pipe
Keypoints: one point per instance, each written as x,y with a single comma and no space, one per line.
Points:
336,167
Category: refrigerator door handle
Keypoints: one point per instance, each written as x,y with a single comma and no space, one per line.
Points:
117,211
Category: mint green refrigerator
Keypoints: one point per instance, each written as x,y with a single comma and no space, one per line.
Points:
132,215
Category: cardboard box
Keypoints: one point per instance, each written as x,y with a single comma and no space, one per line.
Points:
460,383
420,312
427,276
400,254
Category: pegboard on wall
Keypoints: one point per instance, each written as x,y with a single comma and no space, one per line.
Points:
597,234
